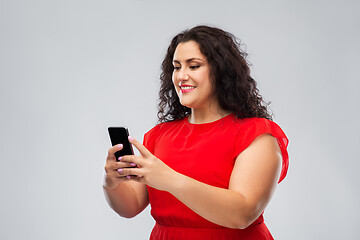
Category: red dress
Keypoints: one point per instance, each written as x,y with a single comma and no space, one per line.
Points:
207,153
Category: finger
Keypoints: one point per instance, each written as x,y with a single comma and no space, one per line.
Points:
139,179
110,166
114,166
125,165
121,174
130,171
113,150
133,159
142,149
116,174
120,171
123,178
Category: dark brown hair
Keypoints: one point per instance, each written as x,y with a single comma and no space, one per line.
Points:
234,88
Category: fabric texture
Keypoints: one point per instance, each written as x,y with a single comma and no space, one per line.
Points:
207,153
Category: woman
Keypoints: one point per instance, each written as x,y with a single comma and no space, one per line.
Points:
211,166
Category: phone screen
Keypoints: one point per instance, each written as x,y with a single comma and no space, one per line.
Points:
120,135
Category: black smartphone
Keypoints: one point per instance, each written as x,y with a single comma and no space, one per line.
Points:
120,135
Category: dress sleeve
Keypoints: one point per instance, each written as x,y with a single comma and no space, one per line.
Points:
255,127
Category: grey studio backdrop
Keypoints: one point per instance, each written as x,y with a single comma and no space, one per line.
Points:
70,69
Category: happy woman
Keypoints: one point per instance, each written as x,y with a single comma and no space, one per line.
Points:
211,166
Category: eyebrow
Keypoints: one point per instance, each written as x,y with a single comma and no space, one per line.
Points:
188,60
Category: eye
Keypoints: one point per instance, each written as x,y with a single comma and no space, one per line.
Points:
194,67
176,68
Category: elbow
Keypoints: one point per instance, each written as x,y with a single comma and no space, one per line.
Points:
125,210
246,215
128,212
241,223
243,220
127,215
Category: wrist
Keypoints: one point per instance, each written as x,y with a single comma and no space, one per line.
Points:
109,183
176,183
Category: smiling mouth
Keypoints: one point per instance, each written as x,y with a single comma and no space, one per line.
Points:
185,89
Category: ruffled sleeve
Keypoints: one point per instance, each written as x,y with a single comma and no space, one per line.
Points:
255,127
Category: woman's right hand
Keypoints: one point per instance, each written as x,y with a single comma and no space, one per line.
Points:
113,177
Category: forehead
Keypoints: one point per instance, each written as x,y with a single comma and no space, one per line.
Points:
188,50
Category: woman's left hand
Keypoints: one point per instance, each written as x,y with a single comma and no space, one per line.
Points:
150,170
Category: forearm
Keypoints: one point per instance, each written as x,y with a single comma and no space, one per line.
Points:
124,199
221,206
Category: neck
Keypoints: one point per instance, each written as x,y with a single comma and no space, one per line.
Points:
199,116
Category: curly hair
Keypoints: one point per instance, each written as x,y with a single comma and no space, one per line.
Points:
234,88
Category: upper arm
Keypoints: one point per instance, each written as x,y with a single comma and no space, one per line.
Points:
256,173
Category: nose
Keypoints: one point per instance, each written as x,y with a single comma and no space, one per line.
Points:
182,75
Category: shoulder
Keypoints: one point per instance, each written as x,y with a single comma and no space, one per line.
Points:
251,122
250,129
253,127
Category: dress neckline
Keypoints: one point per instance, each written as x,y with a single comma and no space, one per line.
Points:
186,119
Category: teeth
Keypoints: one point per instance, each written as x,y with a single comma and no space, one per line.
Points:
187,87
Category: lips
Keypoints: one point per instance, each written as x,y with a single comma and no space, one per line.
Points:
186,88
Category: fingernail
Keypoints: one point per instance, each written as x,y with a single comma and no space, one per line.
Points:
132,164
128,177
131,138
119,158
120,170
120,146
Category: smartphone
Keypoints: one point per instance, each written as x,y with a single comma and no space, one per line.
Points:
120,135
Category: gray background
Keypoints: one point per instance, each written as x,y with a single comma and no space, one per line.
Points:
70,69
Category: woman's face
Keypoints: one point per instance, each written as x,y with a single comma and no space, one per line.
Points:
191,76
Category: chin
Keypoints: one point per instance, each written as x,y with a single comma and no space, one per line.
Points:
186,104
